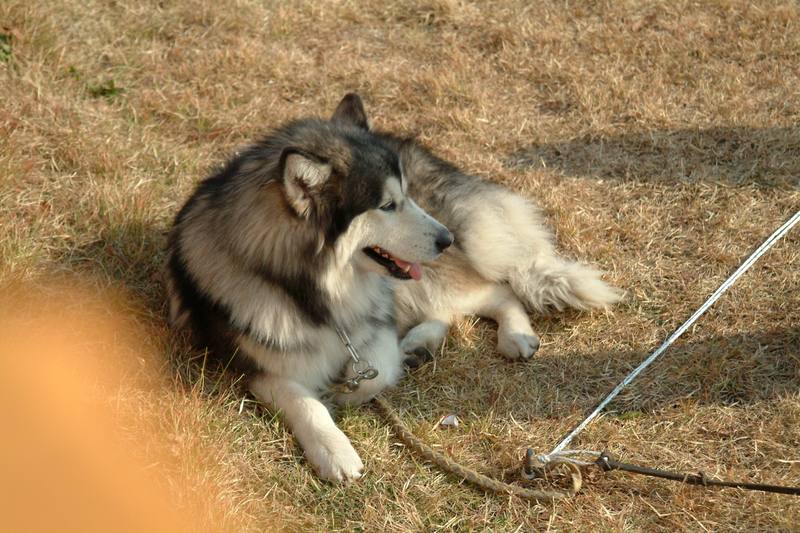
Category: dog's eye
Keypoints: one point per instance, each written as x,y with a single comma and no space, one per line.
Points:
388,206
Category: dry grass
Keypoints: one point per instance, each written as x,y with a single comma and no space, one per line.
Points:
661,138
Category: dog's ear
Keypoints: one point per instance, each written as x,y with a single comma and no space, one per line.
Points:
350,112
303,177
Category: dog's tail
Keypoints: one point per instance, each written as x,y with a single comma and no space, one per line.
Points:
508,242
554,282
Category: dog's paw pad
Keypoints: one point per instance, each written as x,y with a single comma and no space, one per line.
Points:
418,357
518,345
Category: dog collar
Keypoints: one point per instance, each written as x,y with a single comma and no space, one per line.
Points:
363,370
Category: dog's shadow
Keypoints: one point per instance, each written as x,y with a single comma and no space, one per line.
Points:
556,390
768,157
130,256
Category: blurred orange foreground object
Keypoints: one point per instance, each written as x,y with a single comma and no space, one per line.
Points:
63,465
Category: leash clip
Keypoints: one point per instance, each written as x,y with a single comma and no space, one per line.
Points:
363,370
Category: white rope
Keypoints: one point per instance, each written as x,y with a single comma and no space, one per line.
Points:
533,468
766,245
569,456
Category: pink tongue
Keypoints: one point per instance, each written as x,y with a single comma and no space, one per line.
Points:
415,271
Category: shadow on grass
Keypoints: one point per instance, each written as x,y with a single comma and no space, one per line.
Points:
724,370
131,256
727,370
731,155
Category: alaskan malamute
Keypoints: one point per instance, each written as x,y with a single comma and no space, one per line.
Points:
327,255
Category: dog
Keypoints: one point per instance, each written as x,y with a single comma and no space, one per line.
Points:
328,256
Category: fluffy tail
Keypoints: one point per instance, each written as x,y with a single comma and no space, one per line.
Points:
554,282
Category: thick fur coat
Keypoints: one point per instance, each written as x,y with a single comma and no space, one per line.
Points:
326,225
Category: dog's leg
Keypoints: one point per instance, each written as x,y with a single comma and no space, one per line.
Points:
327,449
423,340
515,337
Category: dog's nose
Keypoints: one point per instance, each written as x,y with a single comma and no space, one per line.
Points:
444,240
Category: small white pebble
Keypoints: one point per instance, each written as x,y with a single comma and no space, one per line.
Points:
448,421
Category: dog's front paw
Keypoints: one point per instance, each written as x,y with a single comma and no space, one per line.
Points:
418,357
422,342
334,459
517,345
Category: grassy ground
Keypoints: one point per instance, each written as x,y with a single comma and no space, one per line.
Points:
661,138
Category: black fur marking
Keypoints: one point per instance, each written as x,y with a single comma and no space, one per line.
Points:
210,322
361,189
304,292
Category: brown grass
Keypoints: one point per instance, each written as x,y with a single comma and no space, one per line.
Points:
661,138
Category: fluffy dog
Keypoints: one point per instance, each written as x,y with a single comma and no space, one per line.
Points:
327,234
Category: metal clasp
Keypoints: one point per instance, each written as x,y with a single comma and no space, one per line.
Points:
363,370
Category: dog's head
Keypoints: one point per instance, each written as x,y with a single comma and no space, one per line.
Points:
357,194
